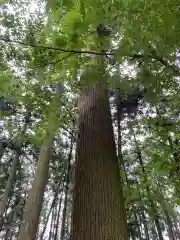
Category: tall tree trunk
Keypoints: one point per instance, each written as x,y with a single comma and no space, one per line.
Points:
154,232
51,230
57,192
8,188
35,197
17,142
70,198
98,207
176,155
9,185
34,202
119,130
176,226
158,228
3,145
146,231
66,190
47,218
163,202
138,223
21,212
119,116
11,217
169,225
58,217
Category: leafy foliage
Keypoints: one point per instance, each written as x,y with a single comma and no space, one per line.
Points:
49,43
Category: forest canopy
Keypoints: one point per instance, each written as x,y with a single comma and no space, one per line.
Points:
89,120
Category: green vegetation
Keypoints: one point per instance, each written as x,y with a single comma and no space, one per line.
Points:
64,66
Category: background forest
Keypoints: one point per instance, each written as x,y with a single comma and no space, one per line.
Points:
89,120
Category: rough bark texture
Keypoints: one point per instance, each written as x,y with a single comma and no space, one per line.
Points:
35,197
98,208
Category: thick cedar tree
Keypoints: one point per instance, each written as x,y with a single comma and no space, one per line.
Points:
98,207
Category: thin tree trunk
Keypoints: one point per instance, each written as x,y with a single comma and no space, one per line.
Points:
21,213
168,218
177,233
52,204
8,188
138,226
169,226
12,175
158,228
98,207
70,200
119,144
145,226
47,218
119,113
51,231
8,228
66,191
16,208
154,232
58,217
3,145
34,202
55,218
176,155
35,197
153,207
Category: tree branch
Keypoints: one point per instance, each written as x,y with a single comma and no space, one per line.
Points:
54,62
163,61
54,48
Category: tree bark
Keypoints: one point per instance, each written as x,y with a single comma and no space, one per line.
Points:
34,202
98,207
35,197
